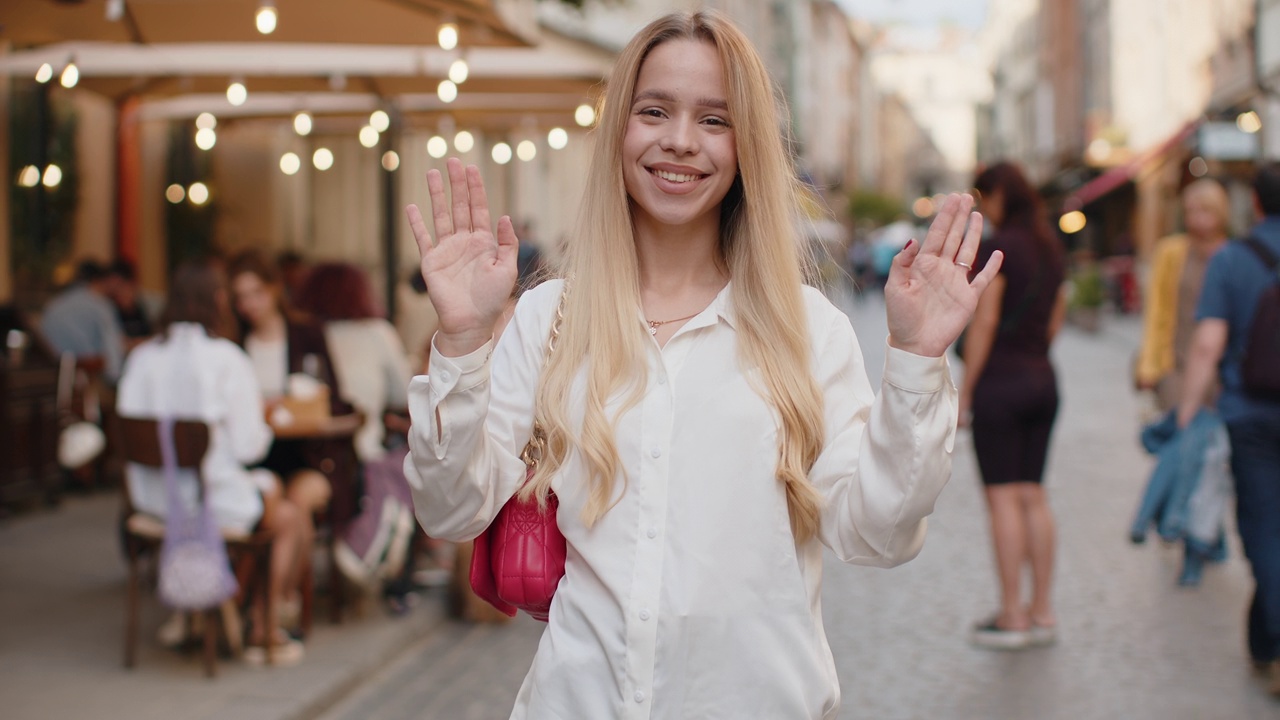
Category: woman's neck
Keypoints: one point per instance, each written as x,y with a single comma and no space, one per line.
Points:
271,328
674,260
1205,246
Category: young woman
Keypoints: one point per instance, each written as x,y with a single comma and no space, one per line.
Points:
191,372
1010,385
708,417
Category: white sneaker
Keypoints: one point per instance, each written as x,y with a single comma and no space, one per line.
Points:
992,636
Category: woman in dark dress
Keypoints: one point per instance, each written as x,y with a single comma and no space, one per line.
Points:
1010,396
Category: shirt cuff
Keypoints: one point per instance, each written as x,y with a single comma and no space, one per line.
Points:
915,373
464,372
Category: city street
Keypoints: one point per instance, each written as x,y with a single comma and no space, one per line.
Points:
1133,645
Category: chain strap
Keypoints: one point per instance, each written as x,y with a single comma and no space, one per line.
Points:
537,444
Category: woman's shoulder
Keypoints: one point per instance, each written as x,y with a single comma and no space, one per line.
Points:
821,313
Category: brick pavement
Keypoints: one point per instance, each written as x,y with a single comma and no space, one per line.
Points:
1132,644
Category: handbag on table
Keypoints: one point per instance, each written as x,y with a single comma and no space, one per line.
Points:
517,562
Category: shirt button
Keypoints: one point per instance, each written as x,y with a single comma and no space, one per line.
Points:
652,533
639,696
656,452
444,377
644,614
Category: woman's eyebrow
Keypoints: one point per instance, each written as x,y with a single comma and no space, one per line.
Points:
665,96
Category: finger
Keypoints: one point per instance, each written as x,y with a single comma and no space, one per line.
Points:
955,233
439,205
420,234
459,197
989,272
479,208
507,233
907,255
937,236
969,248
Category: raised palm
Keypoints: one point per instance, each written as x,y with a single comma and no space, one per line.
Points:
470,272
929,298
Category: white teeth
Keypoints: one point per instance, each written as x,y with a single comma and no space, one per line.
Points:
672,177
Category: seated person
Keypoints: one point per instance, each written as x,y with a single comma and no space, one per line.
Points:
279,344
188,372
82,321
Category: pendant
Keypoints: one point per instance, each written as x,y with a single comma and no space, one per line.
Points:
653,329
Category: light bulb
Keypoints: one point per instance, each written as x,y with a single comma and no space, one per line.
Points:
302,123
290,163
205,138
322,158
198,193
52,176
380,121
266,17
70,75
44,74
502,153
458,71
463,142
237,93
29,177
558,138
447,36
526,150
206,121
585,115
368,136
437,147
447,91
390,161
175,193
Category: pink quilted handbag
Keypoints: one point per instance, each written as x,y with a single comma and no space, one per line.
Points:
519,559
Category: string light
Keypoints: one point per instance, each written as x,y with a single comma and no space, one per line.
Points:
437,147
322,158
266,17
175,193
290,163
463,141
302,123
390,161
558,138
206,138
459,71
237,93
447,36
526,150
447,91
206,121
368,136
502,153
70,75
29,177
585,115
198,193
44,74
380,121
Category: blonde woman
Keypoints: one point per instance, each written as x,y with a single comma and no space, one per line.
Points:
710,424
1177,274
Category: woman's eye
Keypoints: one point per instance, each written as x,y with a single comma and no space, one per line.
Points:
651,112
720,122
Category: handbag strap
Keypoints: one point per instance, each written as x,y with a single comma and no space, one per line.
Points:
537,444
1264,254
176,509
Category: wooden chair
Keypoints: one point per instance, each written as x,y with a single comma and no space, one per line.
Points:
144,533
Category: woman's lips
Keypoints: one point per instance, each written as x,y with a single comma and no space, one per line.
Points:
676,183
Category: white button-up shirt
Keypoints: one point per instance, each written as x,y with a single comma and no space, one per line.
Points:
689,598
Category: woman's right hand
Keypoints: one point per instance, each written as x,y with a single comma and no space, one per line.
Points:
469,271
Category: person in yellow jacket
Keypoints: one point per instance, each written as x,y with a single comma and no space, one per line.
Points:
1177,272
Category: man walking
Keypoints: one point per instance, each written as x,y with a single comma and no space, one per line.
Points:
1234,282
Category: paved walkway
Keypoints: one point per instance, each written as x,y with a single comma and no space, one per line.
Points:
1133,645
62,601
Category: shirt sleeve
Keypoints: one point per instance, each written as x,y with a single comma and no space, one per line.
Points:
471,416
1215,294
396,367
885,457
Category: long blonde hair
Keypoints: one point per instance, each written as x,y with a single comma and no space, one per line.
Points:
761,247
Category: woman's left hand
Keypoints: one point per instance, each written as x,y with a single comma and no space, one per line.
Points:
929,298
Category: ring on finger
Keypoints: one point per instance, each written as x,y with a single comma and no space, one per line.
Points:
964,265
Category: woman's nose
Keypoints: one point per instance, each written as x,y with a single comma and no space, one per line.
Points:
681,137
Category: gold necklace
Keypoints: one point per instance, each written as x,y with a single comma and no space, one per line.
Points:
655,324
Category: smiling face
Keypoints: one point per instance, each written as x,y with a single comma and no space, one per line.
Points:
679,153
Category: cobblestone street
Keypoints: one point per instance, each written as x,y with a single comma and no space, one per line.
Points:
1133,645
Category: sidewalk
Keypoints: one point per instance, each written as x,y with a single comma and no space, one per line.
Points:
62,604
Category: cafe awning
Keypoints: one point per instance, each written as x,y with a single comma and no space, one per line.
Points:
1116,177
